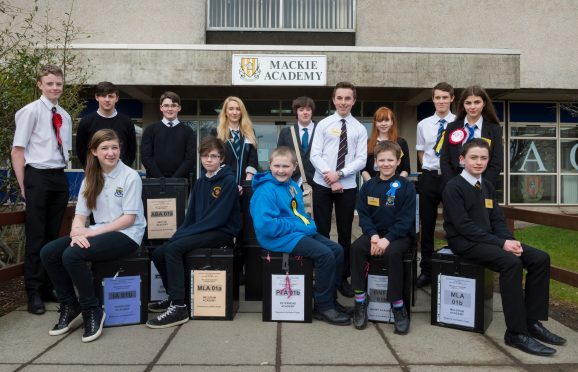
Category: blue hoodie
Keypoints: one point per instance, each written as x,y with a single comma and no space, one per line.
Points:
277,228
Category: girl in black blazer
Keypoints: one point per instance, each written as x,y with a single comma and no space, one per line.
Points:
474,106
234,121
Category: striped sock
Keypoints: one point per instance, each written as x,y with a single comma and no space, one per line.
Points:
359,296
397,304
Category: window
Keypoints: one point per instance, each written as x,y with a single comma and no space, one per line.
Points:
281,15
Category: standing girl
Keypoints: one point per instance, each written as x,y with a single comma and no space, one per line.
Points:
384,128
236,131
111,191
475,118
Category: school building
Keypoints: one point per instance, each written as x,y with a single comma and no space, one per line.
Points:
268,52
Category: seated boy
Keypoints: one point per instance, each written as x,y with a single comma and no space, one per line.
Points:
212,220
476,230
386,208
281,225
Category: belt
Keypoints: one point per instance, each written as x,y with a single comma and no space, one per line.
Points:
435,173
47,170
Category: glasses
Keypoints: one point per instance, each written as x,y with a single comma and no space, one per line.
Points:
211,156
172,105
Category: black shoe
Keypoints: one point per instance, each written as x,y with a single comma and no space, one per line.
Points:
159,307
93,322
50,296
345,289
174,316
360,313
70,319
332,316
347,310
401,320
539,332
423,280
527,344
35,304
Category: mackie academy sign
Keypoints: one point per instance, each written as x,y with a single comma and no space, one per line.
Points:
280,70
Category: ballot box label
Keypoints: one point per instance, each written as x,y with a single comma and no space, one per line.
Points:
456,300
288,297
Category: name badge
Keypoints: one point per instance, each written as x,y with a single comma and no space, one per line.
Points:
373,201
489,203
336,132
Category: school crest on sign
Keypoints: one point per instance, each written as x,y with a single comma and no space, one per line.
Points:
532,188
249,68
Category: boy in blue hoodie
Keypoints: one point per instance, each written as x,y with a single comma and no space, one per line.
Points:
212,220
282,225
386,208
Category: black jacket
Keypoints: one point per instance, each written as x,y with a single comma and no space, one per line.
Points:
450,154
285,139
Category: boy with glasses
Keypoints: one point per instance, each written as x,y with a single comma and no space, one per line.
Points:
168,147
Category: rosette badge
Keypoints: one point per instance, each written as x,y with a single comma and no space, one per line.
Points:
457,136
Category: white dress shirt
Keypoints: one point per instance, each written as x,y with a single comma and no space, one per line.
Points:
166,122
471,179
426,136
309,132
325,147
478,123
35,133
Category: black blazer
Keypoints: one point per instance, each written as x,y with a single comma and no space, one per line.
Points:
249,157
285,139
450,154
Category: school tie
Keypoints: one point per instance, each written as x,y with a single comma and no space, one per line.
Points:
342,146
56,125
170,124
478,185
439,138
471,131
237,142
305,140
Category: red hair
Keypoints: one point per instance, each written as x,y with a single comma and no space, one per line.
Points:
382,113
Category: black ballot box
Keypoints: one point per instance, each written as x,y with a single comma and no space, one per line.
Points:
164,201
157,291
212,283
462,293
253,272
122,286
379,309
248,236
287,287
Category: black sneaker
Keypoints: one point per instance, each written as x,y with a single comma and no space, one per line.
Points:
174,316
401,320
159,307
360,313
93,321
70,319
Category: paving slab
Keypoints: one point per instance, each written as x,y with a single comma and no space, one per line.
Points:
188,368
134,344
8,367
565,354
325,344
246,340
338,369
23,336
427,344
81,368
469,368
422,302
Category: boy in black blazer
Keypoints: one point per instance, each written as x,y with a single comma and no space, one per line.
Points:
476,230
476,118
303,108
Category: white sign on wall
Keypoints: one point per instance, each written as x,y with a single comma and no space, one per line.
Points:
280,70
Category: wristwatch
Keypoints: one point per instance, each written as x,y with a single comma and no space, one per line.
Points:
340,174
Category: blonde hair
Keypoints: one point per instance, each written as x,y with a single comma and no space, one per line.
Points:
245,125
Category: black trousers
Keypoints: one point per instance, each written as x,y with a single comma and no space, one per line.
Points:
430,196
360,254
323,200
46,199
169,259
520,304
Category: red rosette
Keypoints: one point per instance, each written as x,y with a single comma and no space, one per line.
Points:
57,120
458,136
